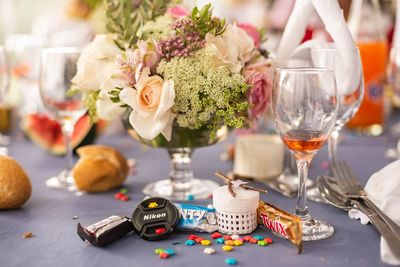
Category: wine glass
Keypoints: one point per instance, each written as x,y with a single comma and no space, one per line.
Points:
304,101
349,99
5,110
57,68
393,76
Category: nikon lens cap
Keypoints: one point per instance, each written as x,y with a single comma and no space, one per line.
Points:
155,218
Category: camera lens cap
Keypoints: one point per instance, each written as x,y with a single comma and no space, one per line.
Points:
155,218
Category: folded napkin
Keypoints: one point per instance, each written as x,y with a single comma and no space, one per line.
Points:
383,188
346,65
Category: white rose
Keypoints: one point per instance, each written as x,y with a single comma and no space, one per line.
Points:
95,63
107,109
152,102
233,49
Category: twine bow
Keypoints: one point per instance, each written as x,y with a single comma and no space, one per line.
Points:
236,183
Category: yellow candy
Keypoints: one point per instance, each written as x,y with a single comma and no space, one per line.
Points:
205,242
227,248
238,242
153,205
230,242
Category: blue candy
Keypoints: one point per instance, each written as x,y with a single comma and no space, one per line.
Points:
258,237
190,243
220,240
231,261
190,197
170,251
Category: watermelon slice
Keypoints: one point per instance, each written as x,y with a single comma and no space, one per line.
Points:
47,133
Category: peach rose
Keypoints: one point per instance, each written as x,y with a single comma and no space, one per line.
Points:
152,103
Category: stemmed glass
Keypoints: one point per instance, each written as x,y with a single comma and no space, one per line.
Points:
349,99
58,67
5,111
393,75
304,101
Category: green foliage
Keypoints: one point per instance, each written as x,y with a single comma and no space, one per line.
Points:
89,101
126,17
205,23
92,3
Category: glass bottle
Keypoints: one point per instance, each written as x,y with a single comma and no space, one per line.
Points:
367,26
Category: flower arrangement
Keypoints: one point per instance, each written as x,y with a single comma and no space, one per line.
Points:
169,67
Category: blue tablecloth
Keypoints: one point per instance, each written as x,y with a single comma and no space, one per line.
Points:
49,215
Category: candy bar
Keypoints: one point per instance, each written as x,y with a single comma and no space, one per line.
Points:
198,218
281,223
105,231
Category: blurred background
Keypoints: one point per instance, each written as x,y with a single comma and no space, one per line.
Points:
26,26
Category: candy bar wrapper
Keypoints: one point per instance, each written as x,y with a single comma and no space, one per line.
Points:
281,223
105,231
197,218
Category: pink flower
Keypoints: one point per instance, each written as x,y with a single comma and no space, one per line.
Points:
259,93
177,12
251,30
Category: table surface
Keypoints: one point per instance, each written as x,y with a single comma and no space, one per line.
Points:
49,215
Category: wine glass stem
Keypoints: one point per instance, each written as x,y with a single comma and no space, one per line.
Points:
302,170
332,146
68,129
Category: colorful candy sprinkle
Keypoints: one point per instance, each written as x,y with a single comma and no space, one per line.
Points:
190,197
227,248
231,261
158,251
199,239
220,240
152,205
227,237
238,242
268,240
205,242
123,191
262,243
234,237
159,231
258,237
209,251
170,251
229,242
192,237
190,243
164,255
247,238
216,235
253,241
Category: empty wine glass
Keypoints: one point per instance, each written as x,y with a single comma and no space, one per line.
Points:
304,101
58,67
393,76
5,110
349,99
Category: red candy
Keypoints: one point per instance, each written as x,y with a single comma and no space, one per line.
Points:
159,231
268,240
124,198
253,241
192,237
216,235
164,255
121,196
199,239
118,195
227,237
247,238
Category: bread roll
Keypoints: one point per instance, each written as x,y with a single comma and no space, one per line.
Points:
100,168
15,186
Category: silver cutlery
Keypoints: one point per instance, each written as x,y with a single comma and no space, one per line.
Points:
351,187
331,194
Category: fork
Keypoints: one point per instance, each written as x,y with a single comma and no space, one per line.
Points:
351,187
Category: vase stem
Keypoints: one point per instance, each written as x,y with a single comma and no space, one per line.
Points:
181,173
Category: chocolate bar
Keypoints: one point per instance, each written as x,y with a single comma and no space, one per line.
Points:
105,231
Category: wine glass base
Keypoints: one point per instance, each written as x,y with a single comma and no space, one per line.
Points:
316,229
199,189
63,181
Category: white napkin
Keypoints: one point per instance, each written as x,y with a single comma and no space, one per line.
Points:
383,188
332,16
396,39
